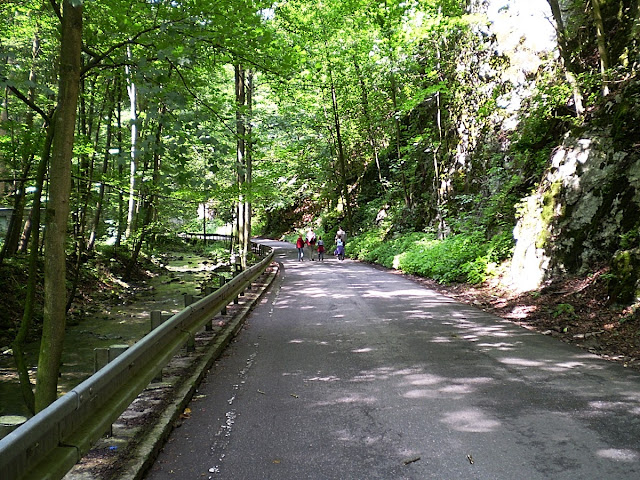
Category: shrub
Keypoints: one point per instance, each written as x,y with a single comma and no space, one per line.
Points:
458,258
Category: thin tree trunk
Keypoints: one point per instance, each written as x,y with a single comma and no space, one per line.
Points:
150,198
240,79
105,167
367,117
569,69
342,163
32,281
55,293
398,140
12,241
133,105
249,160
602,46
121,201
437,180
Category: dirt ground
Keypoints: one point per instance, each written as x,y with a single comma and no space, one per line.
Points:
576,310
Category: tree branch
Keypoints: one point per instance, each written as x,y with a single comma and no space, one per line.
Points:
33,106
56,9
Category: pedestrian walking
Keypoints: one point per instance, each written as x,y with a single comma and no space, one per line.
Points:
300,247
320,249
339,249
311,242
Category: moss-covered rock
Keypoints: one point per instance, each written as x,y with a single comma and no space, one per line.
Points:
583,211
624,286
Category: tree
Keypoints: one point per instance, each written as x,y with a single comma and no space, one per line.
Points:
58,207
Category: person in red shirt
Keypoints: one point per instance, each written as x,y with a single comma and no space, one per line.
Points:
300,247
320,249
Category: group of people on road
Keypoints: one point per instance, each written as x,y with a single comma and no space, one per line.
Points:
311,243
314,244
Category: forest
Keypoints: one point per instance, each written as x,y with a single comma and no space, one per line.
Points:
462,141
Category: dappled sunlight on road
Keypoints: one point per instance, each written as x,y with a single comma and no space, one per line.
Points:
352,398
619,454
471,420
406,294
384,351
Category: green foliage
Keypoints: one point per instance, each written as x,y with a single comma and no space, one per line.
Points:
459,258
545,119
564,309
630,239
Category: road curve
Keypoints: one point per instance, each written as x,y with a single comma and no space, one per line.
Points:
348,372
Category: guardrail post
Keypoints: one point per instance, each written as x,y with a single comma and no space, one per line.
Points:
8,423
208,327
112,353
222,282
116,350
237,271
189,299
157,318
100,358
191,343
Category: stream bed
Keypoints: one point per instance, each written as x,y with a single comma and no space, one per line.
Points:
120,319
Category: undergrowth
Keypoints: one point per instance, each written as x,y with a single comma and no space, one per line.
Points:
469,258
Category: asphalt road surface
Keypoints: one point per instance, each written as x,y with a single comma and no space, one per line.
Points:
348,372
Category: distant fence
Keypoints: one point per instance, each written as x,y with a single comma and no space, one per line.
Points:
48,445
215,237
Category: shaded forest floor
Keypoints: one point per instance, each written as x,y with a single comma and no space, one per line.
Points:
575,310
107,310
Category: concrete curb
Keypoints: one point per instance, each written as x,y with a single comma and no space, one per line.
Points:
138,448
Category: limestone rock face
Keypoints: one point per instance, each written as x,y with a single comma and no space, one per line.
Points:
587,203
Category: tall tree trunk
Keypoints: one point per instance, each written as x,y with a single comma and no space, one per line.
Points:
55,293
367,116
133,105
105,167
439,191
342,162
569,69
12,241
633,40
240,79
121,201
150,196
27,315
602,45
91,128
248,161
398,139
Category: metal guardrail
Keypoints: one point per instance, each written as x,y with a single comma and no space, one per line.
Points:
48,445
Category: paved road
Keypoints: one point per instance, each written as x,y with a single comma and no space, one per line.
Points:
348,372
